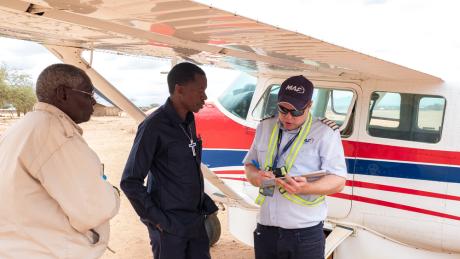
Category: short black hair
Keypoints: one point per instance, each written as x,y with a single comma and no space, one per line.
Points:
183,73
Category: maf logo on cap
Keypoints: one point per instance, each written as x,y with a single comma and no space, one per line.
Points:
297,89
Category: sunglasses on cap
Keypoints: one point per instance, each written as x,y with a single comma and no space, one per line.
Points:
294,113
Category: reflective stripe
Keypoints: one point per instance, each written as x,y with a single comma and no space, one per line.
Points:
298,143
260,199
290,162
271,147
299,200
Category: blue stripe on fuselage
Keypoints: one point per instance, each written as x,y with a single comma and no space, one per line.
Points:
222,158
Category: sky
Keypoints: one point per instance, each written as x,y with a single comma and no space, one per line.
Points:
420,34
141,79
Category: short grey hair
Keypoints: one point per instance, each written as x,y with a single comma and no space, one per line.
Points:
56,75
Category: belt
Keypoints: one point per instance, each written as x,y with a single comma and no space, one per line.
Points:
289,230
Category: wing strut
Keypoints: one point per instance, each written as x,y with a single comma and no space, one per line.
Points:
72,56
335,238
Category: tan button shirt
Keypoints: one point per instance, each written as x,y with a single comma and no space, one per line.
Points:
51,190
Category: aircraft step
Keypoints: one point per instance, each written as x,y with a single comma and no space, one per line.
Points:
335,238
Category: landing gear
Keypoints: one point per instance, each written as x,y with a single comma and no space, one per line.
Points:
212,225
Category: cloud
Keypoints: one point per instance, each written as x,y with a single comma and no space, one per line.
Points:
27,57
370,2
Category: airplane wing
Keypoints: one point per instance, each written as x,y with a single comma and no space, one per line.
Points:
192,31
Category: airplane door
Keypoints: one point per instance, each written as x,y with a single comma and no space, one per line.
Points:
337,102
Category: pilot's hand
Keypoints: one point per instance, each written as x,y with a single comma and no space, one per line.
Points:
293,185
262,176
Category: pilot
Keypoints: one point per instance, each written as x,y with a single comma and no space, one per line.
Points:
168,150
286,148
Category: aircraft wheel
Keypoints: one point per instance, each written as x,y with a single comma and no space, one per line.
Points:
212,225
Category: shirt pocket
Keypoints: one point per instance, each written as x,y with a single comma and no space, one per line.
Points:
307,160
262,150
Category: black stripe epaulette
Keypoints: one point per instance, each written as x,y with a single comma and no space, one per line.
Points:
273,116
330,123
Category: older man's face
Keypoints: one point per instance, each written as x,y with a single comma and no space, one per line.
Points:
81,102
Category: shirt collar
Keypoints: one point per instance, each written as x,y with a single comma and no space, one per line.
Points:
41,106
294,131
169,108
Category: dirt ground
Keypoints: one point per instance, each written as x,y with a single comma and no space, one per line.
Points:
111,138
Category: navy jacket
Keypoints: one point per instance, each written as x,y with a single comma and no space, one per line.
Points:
174,196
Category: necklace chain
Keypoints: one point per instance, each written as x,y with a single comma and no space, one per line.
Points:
192,144
185,132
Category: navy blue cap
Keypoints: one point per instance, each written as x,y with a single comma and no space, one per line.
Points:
297,91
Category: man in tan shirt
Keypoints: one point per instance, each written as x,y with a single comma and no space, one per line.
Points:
54,201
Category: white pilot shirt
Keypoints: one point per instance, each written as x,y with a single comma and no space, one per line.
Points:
322,150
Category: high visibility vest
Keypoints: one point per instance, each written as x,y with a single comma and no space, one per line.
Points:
290,159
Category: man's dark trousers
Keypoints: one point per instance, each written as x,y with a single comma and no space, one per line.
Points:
278,243
169,246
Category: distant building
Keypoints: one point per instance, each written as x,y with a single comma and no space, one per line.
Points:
9,112
102,110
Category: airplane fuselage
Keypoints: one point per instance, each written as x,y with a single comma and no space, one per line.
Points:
404,185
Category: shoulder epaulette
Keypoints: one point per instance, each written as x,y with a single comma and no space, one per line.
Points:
330,123
273,116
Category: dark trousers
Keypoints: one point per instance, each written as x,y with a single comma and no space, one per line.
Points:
168,246
280,243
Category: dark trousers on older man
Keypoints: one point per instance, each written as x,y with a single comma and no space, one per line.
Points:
169,246
279,243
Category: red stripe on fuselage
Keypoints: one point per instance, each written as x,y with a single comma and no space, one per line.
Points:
219,131
387,152
381,202
389,188
234,178
393,205
367,185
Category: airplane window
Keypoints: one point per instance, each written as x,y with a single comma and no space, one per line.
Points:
332,104
386,110
430,113
327,102
237,98
405,116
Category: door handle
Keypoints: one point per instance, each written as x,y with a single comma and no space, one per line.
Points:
250,130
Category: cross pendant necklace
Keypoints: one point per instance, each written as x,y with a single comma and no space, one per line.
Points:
192,144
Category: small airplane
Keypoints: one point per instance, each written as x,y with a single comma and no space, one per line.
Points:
398,125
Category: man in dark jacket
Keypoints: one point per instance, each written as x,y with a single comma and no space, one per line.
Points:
167,149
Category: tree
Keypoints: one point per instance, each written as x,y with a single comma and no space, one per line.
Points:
23,99
16,88
3,87
153,105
